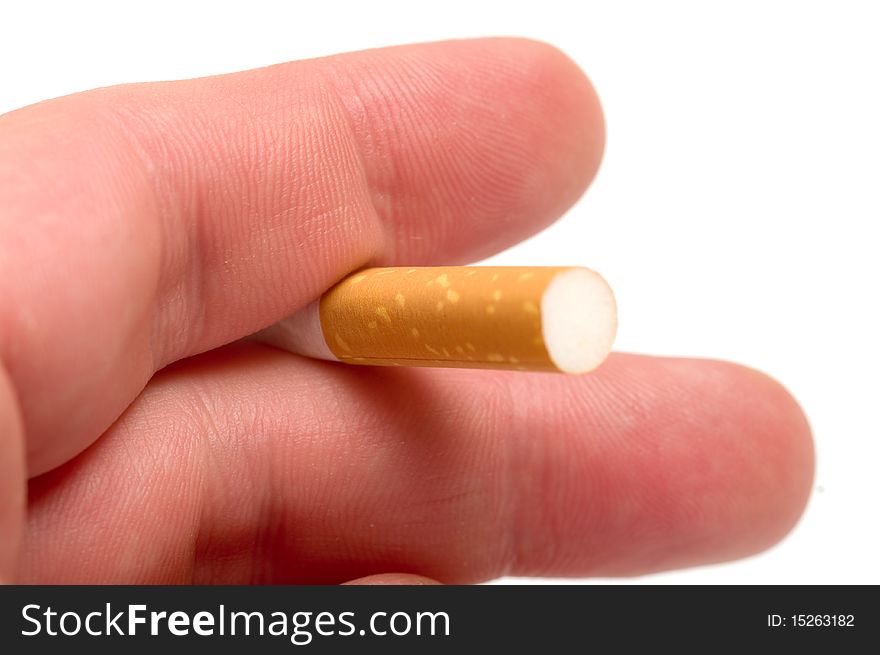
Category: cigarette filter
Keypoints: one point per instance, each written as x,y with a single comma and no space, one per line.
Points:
521,318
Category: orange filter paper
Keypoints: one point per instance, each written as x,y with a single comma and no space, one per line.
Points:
471,317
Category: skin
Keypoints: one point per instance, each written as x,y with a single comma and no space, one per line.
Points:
145,229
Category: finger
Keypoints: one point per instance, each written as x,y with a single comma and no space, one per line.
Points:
393,579
246,465
161,220
12,480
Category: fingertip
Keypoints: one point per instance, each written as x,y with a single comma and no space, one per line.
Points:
382,579
754,460
486,141
784,465
561,130
671,462
576,113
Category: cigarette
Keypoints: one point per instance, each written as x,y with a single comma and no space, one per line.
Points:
561,319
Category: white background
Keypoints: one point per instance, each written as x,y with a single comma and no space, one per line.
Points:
736,212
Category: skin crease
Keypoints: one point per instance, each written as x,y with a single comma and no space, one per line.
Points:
158,222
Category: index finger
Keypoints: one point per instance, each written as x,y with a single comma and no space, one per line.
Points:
156,221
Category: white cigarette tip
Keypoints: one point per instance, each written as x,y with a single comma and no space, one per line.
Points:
578,319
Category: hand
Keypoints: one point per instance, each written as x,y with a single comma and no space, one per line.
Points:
144,229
